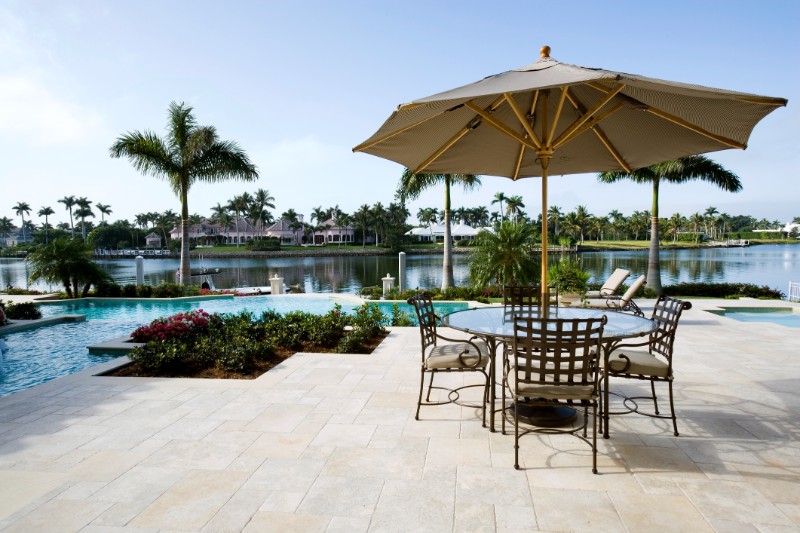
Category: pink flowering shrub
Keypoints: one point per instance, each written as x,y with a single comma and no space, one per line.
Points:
174,327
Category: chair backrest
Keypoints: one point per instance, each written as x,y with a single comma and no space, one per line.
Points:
632,290
666,314
614,281
520,299
423,307
557,352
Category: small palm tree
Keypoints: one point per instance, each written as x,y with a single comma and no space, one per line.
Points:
21,209
411,186
188,154
84,210
504,256
690,168
66,261
46,212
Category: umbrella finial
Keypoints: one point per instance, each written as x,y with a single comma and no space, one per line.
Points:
544,51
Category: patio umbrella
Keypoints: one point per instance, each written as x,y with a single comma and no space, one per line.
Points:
552,118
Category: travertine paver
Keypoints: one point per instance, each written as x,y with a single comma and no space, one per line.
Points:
328,442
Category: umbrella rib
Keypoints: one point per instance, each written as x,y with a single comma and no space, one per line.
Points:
557,116
446,146
501,126
518,112
591,123
585,116
598,131
697,129
519,162
688,125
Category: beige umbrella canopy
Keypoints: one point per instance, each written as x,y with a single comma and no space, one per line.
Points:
555,118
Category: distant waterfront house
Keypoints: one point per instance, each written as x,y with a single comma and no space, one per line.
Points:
435,233
333,234
15,237
286,231
205,232
153,240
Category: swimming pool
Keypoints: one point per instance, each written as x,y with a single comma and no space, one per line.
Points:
39,355
783,316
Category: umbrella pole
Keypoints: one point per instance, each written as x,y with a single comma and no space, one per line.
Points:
545,290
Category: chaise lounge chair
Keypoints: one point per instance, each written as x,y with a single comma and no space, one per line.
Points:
611,285
621,303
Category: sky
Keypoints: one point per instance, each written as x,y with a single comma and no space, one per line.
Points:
298,84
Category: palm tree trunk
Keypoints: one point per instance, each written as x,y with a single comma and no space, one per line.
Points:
186,269
447,262
653,262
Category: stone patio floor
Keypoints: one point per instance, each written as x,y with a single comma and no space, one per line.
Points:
328,442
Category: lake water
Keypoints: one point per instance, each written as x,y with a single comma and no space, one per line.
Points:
770,265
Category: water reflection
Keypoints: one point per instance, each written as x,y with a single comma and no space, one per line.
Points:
771,265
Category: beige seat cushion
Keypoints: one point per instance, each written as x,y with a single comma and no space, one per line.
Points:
555,392
447,356
642,363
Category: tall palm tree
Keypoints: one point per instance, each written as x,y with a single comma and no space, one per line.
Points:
554,213
411,186
514,207
361,219
238,204
690,168
262,200
188,154
104,210
69,203
84,210
46,212
22,209
583,218
500,197
377,220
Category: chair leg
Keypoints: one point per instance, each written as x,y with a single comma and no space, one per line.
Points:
430,386
516,437
485,398
421,388
594,439
672,411
655,399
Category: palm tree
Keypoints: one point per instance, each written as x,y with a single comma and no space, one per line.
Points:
361,219
188,154
65,261
238,204
504,256
6,225
262,200
69,203
514,207
104,210
500,197
427,216
21,209
378,220
84,210
554,213
695,167
411,186
46,212
583,218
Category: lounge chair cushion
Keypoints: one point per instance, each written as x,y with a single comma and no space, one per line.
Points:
643,363
447,356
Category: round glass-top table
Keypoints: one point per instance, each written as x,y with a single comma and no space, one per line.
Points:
494,324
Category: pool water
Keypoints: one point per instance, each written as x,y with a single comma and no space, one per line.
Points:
783,316
39,355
